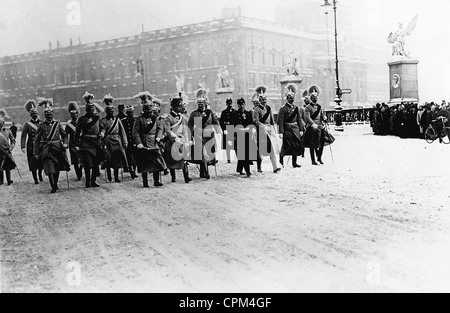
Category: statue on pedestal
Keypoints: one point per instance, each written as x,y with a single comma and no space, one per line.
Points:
397,39
293,67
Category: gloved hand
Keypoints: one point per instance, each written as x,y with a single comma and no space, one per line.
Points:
301,134
140,146
24,150
65,146
77,148
281,136
158,140
315,126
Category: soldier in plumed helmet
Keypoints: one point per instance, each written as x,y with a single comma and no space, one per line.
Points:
203,125
7,144
87,140
178,140
291,127
147,134
71,128
51,145
114,141
315,126
265,121
27,141
128,125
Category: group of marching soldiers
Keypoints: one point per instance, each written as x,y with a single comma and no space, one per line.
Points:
151,144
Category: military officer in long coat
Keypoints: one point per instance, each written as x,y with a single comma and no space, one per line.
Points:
27,141
265,121
245,139
178,140
51,144
227,119
291,127
71,129
7,144
147,134
203,124
87,140
128,124
114,141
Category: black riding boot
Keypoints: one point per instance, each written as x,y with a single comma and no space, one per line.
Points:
35,177
145,179
108,174
8,177
41,178
312,151
116,175
87,173
1,178
56,176
173,174
259,164
78,171
247,169
51,179
95,174
319,155
156,179
187,179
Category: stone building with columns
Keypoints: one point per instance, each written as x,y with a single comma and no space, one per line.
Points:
255,52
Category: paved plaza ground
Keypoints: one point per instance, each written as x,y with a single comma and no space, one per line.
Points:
375,220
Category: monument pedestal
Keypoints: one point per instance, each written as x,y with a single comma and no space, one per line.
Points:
404,81
296,80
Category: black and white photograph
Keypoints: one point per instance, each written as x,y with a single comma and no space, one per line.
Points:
224,147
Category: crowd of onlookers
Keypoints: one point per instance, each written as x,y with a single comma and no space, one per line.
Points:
406,120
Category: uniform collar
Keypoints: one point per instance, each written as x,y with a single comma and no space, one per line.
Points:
290,106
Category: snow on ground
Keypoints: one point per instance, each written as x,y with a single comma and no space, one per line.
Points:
375,220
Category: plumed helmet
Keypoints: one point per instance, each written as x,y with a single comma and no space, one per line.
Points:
3,114
261,91
315,90
108,100
176,102
47,104
202,95
146,98
229,101
88,97
31,106
291,90
73,108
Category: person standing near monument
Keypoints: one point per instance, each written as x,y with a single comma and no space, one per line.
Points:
314,136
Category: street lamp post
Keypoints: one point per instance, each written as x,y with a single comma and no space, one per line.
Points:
338,98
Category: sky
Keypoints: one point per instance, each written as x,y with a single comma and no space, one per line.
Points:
29,25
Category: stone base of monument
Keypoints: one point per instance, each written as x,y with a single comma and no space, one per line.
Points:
404,80
223,94
297,80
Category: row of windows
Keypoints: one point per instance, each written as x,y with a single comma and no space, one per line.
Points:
270,80
188,62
